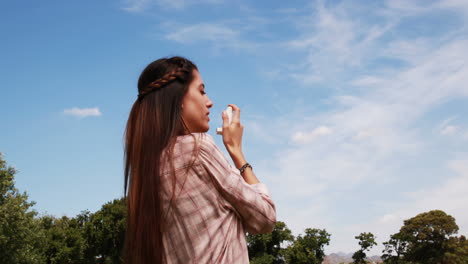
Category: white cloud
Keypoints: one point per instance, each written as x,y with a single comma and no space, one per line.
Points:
381,119
445,128
179,4
290,10
334,41
446,122
136,5
218,35
389,219
203,32
408,7
366,81
143,5
362,135
175,4
410,51
82,112
306,137
459,6
449,130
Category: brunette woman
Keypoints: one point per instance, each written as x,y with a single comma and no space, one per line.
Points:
186,202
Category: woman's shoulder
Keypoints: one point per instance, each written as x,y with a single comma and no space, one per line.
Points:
202,145
203,140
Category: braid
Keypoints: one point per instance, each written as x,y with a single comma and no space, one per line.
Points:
179,73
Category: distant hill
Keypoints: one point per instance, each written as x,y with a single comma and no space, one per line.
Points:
340,257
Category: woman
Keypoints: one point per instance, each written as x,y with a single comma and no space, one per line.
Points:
186,203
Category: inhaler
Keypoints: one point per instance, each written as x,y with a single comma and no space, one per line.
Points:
228,111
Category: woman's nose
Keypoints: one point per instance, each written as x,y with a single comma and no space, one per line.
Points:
209,103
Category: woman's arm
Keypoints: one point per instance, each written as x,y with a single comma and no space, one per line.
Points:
252,202
232,139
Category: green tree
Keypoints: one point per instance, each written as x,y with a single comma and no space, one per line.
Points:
263,259
424,238
105,233
64,240
457,251
88,238
308,248
266,248
395,249
428,234
366,241
20,234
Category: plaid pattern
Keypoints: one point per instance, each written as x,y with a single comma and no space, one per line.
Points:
213,206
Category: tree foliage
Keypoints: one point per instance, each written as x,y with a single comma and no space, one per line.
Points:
425,238
20,236
457,251
87,238
105,232
366,241
266,248
395,249
64,241
308,248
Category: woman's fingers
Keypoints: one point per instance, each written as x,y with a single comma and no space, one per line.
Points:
232,133
236,116
225,120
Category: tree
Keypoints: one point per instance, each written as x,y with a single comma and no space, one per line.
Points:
366,241
308,248
395,249
64,240
457,251
266,248
20,236
87,238
428,234
424,238
105,232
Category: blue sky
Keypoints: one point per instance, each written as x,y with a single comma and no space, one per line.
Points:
355,112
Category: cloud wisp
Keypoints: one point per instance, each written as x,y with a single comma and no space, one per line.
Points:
82,112
145,5
218,35
307,137
136,6
203,32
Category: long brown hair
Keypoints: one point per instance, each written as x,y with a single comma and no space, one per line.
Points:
153,125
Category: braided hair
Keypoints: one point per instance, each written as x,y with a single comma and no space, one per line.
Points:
182,73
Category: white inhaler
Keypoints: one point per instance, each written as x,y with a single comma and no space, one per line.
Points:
228,110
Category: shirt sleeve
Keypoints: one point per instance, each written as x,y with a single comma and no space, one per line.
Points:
253,203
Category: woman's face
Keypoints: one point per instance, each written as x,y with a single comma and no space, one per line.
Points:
196,106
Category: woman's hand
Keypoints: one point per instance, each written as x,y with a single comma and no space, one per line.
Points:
232,139
232,136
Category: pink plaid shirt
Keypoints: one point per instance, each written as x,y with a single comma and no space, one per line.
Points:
213,206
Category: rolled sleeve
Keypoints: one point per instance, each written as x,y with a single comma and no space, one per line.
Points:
261,188
252,203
